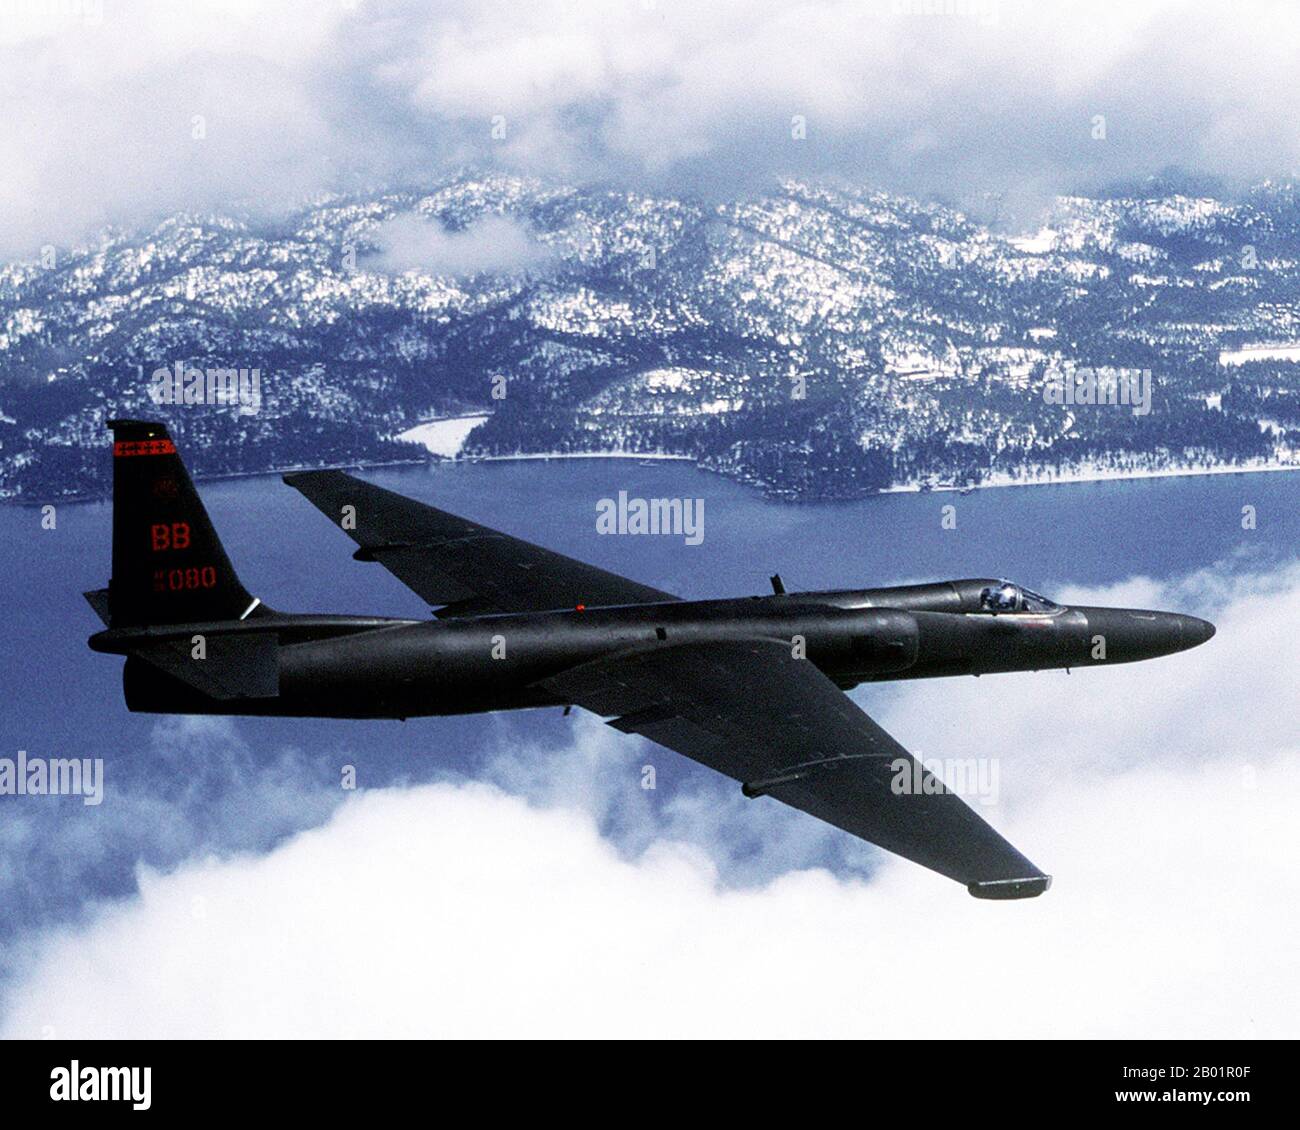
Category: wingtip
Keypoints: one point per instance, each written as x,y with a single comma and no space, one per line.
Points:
1027,888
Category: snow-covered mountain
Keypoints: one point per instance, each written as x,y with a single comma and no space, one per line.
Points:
820,342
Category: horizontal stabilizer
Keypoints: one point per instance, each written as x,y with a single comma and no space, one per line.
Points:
98,600
238,665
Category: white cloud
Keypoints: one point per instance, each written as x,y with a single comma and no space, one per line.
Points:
493,245
460,911
1164,804
301,97
200,789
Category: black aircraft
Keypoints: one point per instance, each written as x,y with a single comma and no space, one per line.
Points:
750,686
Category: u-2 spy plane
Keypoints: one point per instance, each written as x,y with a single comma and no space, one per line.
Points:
752,686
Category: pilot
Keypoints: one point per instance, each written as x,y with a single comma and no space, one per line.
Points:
1003,598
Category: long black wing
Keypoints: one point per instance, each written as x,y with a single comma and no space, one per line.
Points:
450,561
780,727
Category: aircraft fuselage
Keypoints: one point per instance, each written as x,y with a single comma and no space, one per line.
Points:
375,668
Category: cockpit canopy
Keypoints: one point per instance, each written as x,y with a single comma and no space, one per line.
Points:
1006,596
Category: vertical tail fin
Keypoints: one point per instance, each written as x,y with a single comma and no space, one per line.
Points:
168,563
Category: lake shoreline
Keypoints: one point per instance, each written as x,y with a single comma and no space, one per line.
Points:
665,457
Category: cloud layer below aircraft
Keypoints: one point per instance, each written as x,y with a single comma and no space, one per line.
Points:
560,897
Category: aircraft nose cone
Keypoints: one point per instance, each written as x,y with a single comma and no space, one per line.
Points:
1132,633
1195,631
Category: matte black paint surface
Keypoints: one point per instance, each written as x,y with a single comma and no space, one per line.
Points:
405,669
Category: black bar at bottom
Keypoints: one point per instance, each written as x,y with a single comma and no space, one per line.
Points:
929,1077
